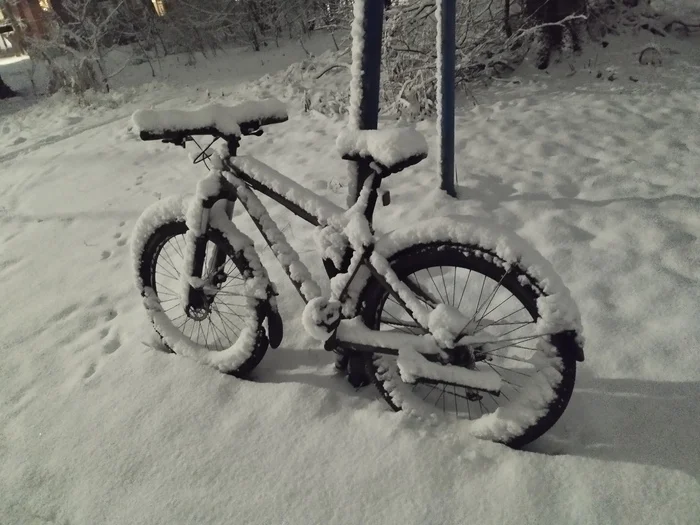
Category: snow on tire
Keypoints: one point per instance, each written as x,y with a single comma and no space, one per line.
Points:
535,357
239,342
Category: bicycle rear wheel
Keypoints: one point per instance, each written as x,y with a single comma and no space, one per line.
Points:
537,370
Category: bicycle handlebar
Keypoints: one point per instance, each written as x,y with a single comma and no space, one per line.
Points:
179,137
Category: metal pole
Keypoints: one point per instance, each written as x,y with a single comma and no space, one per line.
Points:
364,92
446,95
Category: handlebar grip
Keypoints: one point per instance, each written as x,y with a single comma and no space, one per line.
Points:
147,135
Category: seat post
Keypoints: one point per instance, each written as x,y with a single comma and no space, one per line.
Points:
364,88
372,200
232,144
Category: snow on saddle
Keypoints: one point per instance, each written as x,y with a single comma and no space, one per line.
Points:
392,149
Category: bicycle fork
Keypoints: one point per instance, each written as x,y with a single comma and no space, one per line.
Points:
200,273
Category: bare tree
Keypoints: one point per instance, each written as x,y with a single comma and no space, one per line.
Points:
557,29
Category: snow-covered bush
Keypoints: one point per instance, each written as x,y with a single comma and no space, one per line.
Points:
78,35
492,37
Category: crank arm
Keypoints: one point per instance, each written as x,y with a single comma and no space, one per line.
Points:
417,356
415,368
354,335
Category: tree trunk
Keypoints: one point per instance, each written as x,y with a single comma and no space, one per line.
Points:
551,37
5,90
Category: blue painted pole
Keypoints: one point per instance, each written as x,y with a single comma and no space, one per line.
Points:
446,96
372,22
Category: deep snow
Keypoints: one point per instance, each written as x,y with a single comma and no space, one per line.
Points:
100,427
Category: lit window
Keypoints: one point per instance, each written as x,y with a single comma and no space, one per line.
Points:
160,7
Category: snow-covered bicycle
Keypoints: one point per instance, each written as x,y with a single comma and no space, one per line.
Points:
446,317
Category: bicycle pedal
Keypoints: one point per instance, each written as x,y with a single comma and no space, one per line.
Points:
341,363
386,198
357,371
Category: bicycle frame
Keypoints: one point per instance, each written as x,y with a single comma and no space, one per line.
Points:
346,245
347,335
238,178
238,181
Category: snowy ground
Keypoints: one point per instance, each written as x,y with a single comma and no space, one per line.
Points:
99,428
176,85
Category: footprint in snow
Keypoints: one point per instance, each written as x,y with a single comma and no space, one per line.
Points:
112,345
89,371
6,266
121,240
63,314
73,120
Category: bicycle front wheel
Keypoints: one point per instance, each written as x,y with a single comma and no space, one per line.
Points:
501,302
228,334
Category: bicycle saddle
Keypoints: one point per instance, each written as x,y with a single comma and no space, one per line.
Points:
392,149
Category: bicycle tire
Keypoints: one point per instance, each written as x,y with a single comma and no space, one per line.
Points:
560,374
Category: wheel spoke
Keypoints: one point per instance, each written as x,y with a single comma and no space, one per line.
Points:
461,297
493,398
227,322
399,323
229,310
218,333
206,336
234,294
492,309
170,290
166,258
430,392
435,285
200,332
454,286
512,358
225,328
508,315
179,248
510,370
447,295
420,292
454,391
440,396
490,299
165,270
511,344
478,301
